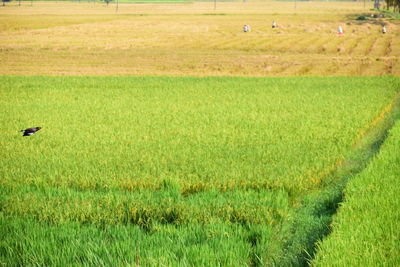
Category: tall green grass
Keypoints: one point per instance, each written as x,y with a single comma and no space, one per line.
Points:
365,230
26,242
311,221
159,156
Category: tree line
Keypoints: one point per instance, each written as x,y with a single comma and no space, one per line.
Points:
395,4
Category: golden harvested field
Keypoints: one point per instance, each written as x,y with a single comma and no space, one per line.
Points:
193,39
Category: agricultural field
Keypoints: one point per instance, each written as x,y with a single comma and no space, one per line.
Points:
194,39
172,138
369,213
171,170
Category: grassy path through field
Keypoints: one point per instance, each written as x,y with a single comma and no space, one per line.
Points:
365,230
312,221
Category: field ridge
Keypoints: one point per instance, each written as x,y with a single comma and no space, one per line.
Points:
311,221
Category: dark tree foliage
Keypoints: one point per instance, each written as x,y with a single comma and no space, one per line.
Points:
4,2
395,4
107,1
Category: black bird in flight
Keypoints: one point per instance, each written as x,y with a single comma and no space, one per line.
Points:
30,131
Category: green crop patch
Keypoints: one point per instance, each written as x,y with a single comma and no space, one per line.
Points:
168,170
368,213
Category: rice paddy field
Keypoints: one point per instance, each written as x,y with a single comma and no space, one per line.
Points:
171,170
368,215
172,138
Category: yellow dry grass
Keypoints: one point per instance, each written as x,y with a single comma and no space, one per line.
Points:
193,39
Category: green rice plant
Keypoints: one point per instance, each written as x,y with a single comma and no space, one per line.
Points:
229,159
365,230
26,242
129,133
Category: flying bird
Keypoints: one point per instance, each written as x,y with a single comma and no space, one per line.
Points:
30,131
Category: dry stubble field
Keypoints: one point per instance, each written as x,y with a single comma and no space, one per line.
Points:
193,39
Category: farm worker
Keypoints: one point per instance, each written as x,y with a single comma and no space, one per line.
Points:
274,25
246,28
383,29
340,30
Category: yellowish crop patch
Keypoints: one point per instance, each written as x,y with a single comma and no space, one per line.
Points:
194,39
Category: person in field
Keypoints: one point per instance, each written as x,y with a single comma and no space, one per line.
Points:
340,30
246,28
274,25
